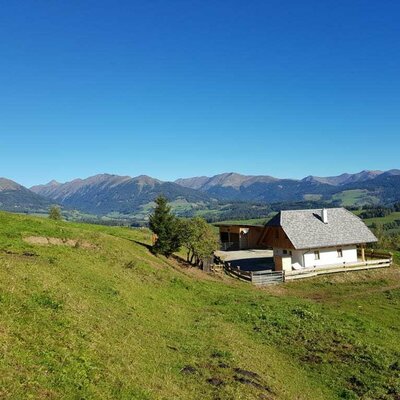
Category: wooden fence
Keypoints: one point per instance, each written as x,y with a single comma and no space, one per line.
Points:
266,277
237,272
372,254
358,266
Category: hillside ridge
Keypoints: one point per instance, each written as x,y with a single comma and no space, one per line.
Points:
111,320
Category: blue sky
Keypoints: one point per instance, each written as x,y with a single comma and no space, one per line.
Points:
185,88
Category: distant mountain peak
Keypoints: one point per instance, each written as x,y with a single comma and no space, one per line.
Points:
344,178
53,182
145,178
8,184
17,198
226,179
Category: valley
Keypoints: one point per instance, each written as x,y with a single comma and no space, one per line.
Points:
122,200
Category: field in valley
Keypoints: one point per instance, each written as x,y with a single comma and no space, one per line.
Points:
355,197
252,221
96,315
384,221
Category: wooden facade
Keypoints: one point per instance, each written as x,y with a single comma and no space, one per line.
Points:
244,237
240,237
275,237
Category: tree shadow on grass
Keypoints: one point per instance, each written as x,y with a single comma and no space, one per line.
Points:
181,261
147,246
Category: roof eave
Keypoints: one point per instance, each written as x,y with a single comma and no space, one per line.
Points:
323,246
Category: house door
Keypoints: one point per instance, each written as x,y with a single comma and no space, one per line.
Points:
244,240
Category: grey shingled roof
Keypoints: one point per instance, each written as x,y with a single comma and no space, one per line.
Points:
306,230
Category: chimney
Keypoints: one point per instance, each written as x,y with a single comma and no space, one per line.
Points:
324,215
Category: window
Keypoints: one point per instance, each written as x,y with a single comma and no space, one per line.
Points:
339,253
316,255
285,252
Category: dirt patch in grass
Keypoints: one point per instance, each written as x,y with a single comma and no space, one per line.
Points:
216,381
219,372
44,241
188,369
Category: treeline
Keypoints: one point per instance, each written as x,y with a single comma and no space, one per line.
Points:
172,233
386,226
386,241
391,225
239,210
303,205
388,238
108,222
246,210
378,211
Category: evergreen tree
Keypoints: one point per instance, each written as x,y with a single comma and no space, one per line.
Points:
166,228
55,213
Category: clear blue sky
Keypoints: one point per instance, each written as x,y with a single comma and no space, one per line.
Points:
184,88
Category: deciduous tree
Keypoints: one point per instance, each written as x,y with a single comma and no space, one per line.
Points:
55,213
199,238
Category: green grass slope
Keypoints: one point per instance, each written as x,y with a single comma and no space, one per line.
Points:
355,197
382,221
112,321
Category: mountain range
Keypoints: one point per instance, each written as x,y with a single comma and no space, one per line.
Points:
116,196
233,186
17,198
105,193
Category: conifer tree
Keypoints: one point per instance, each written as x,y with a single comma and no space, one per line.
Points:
166,227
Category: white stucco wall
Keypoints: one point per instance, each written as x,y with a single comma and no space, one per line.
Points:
279,252
328,256
297,257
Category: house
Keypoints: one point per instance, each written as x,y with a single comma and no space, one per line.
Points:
240,237
316,238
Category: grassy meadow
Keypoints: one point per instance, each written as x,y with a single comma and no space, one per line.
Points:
252,221
355,197
100,317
